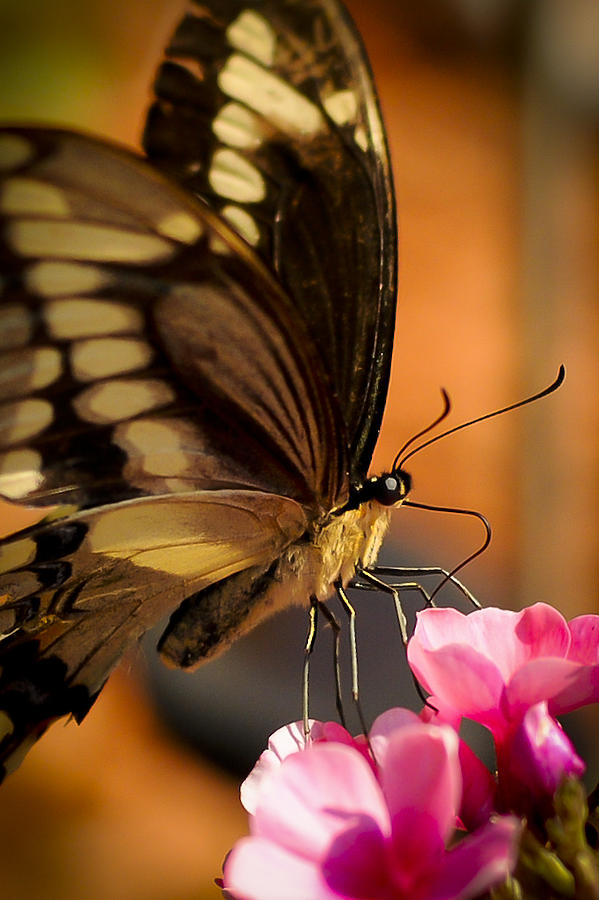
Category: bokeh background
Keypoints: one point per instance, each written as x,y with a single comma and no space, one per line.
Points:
492,112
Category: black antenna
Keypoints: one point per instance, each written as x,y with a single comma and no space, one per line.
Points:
400,462
442,415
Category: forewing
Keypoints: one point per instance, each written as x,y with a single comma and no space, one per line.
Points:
143,348
158,389
267,110
76,592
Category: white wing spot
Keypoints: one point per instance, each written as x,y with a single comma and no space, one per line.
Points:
270,96
20,473
79,240
243,223
25,371
16,326
19,421
180,226
51,279
77,318
113,401
103,357
253,35
15,151
237,126
22,196
234,177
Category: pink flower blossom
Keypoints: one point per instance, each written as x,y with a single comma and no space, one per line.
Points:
513,672
493,664
326,826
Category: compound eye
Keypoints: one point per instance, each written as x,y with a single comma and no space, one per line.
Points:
391,488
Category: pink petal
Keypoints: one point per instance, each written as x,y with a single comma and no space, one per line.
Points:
541,631
282,743
534,761
566,685
508,638
257,869
460,677
585,640
286,740
422,784
438,712
479,789
316,795
477,863
385,726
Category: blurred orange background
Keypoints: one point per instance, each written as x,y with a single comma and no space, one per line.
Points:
493,127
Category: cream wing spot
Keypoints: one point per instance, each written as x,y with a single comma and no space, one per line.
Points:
237,126
244,80
253,35
20,473
218,246
19,421
16,326
341,106
361,138
6,725
21,196
53,279
15,151
113,401
24,371
234,177
80,240
76,318
180,226
103,357
158,444
16,554
243,223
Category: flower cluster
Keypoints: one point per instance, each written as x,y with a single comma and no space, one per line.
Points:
411,812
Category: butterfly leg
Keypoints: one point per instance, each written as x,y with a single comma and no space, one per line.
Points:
351,613
419,571
381,585
332,620
377,584
309,647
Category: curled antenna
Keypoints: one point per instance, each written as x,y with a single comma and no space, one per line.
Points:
442,415
401,459
473,513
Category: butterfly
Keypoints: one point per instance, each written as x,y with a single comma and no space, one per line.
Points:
194,356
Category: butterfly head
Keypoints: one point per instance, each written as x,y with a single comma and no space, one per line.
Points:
388,489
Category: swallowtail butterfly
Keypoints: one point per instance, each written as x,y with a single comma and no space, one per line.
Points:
194,355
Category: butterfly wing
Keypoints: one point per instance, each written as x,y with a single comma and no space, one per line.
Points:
160,391
126,302
267,110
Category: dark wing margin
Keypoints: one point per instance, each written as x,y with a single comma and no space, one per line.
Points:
268,111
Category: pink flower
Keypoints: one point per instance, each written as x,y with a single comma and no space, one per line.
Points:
326,827
513,672
493,665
